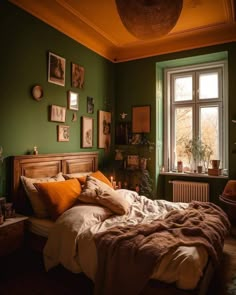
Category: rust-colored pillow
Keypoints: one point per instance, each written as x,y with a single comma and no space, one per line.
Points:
97,174
59,196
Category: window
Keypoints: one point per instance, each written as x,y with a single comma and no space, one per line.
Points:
196,116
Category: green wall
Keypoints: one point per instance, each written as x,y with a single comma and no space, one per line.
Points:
25,43
136,82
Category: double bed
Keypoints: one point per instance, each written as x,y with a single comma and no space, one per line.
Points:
185,269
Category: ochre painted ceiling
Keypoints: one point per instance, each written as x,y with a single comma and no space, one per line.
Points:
97,25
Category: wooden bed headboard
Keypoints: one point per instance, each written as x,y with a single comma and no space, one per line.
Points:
46,165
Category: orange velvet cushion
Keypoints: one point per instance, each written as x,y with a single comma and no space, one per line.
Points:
59,196
99,175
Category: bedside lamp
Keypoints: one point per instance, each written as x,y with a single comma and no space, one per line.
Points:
229,192
228,198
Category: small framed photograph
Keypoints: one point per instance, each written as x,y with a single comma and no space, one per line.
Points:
90,105
104,130
73,100
133,161
77,76
141,119
56,69
58,113
136,138
63,133
87,132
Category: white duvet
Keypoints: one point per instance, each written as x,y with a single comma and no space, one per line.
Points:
70,242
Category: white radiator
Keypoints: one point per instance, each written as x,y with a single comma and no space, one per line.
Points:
187,191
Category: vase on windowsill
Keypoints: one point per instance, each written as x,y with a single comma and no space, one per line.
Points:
199,169
193,166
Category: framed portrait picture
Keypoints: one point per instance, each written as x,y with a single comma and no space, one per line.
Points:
133,161
73,100
58,113
63,133
56,69
87,132
141,119
104,130
90,105
77,75
136,138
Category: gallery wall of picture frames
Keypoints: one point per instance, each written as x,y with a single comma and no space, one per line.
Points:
56,73
126,132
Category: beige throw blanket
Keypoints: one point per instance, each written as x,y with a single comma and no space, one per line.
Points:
128,255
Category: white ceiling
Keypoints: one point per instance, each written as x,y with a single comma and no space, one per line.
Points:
97,25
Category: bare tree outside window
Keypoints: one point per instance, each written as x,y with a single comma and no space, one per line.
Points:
196,103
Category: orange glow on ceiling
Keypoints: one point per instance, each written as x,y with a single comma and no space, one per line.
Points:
97,25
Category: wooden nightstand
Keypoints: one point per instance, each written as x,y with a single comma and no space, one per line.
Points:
12,234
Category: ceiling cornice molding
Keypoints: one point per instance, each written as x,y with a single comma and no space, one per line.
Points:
71,23
175,43
85,36
86,21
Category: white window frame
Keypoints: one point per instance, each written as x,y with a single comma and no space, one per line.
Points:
222,102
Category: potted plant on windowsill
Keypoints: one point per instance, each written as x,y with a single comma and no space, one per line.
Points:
198,154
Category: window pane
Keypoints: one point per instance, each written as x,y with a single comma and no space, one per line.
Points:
183,133
209,130
208,86
183,88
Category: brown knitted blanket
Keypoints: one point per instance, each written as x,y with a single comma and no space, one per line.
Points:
127,255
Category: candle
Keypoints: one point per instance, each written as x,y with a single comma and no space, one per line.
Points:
114,184
111,179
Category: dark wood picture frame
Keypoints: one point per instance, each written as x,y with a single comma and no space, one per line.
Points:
56,69
58,114
141,119
90,105
87,132
133,161
77,75
104,130
63,133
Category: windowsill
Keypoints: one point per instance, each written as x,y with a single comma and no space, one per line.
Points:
199,175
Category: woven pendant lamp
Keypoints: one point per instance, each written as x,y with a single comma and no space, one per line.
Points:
148,19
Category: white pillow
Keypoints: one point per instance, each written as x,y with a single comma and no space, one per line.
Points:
98,192
37,203
76,175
